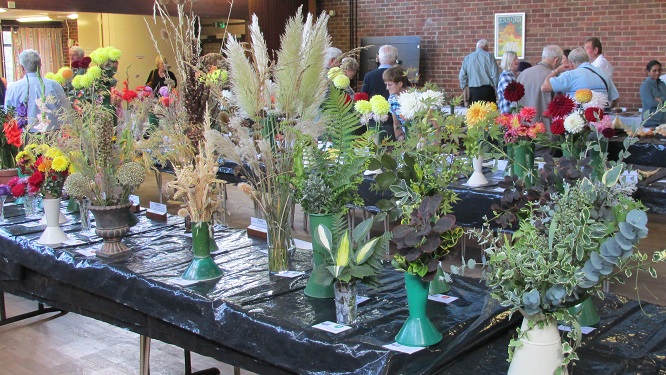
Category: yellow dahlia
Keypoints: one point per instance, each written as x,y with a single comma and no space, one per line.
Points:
53,153
60,163
479,112
380,106
583,96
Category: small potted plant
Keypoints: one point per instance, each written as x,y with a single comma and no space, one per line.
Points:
348,258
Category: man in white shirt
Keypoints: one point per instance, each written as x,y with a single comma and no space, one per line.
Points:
33,88
594,51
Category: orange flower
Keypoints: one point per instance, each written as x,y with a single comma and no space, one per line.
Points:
67,73
45,165
583,96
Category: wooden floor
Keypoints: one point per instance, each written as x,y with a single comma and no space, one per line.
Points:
72,344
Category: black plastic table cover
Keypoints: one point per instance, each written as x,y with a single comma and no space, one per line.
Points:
262,322
647,151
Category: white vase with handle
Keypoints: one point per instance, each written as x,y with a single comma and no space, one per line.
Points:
53,234
477,178
540,351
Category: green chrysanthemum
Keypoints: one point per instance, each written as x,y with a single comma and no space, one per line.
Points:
363,107
76,82
114,53
380,105
341,81
95,72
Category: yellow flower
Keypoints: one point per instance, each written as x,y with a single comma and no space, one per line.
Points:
114,53
60,79
95,72
50,75
71,169
99,56
76,82
333,72
363,107
87,80
53,153
380,106
31,147
25,155
479,112
583,96
341,81
45,165
42,149
60,163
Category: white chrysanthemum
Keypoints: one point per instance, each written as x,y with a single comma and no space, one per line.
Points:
433,98
599,100
574,123
409,104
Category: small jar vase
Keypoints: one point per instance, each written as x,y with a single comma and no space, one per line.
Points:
53,234
417,330
30,207
111,224
477,178
280,244
345,301
202,267
84,214
541,349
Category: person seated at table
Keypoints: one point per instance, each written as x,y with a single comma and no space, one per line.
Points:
582,76
396,83
653,93
509,67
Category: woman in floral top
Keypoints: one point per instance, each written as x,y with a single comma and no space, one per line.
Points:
396,82
509,67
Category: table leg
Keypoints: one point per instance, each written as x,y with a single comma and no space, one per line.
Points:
144,355
210,371
40,310
3,313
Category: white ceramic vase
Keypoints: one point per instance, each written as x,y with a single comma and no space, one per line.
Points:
540,352
477,178
62,219
53,234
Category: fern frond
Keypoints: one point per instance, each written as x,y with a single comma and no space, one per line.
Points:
342,121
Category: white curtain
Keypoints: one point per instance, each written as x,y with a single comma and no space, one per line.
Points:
46,41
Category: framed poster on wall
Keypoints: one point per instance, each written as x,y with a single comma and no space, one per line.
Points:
510,34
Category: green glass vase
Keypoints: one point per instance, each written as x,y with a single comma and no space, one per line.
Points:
202,267
417,330
313,289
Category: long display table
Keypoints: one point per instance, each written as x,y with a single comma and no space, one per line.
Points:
263,322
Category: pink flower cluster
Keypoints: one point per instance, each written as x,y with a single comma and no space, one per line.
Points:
519,126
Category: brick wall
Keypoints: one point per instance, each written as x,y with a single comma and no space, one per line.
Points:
70,30
631,31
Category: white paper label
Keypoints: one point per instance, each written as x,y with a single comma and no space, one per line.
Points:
501,164
289,274
32,224
331,327
86,252
442,298
499,189
73,242
258,223
361,299
135,200
403,349
302,244
630,176
583,330
158,208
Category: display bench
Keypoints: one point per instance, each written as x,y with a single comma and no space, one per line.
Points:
263,322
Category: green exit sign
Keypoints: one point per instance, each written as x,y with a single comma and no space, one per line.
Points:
221,25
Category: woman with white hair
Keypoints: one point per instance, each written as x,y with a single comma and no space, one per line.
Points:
509,67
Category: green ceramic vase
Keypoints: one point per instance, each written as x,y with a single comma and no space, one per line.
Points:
313,289
417,330
438,285
587,313
523,163
202,267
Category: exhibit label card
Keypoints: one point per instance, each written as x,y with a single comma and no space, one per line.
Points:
158,208
331,327
86,252
583,330
183,282
442,298
289,274
135,200
404,349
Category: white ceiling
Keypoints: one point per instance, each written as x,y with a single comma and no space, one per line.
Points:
12,14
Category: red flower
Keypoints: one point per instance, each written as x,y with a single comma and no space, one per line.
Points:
76,64
128,95
594,114
36,179
361,96
85,62
165,101
608,132
560,106
514,91
527,114
18,190
13,181
557,126
13,132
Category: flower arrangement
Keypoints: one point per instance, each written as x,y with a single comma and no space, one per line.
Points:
481,128
18,186
47,166
519,127
103,156
375,109
11,138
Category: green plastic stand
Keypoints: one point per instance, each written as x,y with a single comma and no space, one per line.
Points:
313,289
523,162
438,285
202,267
417,330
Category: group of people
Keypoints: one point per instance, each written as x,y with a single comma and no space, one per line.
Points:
559,71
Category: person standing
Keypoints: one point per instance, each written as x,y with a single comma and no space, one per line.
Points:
373,84
532,79
161,77
32,87
332,57
480,73
594,52
509,67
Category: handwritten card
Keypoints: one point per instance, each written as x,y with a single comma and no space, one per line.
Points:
403,349
331,327
443,298
584,330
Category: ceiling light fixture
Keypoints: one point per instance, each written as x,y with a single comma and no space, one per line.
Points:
73,16
34,19
2,10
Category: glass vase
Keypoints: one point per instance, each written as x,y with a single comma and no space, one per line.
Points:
84,213
30,206
280,244
345,301
2,208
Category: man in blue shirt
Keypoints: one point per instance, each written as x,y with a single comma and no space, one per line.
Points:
480,73
582,76
31,88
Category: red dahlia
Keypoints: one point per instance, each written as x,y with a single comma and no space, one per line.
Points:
608,132
560,106
361,96
594,114
557,126
514,91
